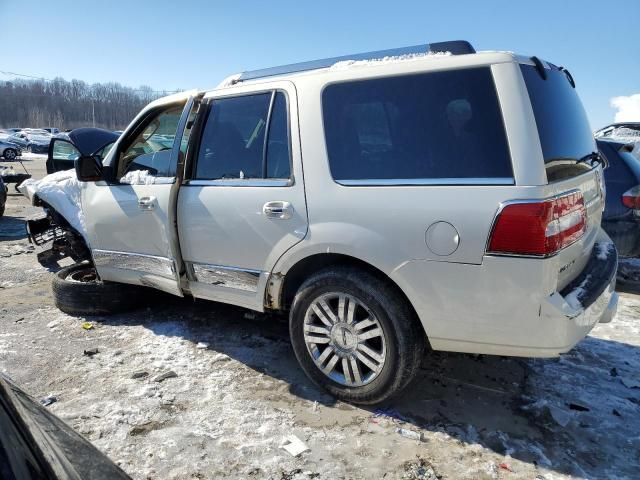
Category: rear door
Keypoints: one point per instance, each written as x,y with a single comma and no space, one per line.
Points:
567,143
131,217
243,204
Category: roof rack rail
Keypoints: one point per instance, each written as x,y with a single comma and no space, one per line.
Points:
455,47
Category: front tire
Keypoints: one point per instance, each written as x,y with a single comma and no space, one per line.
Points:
355,335
77,290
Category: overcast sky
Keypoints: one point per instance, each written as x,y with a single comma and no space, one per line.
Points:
194,44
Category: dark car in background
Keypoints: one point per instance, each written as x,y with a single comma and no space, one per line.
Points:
3,196
35,444
624,130
621,218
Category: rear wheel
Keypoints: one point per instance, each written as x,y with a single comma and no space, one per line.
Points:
10,154
355,335
77,290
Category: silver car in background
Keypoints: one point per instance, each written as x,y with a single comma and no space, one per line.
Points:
9,151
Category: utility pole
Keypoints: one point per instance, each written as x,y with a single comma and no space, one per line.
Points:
93,113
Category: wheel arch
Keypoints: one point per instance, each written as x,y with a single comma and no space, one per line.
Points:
283,286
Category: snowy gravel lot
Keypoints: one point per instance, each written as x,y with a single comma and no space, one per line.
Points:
238,392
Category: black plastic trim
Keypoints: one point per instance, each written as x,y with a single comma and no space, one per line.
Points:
598,274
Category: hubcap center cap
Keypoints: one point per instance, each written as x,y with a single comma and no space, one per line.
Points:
344,337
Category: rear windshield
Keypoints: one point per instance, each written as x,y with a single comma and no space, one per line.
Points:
565,134
441,127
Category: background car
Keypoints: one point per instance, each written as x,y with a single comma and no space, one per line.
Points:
9,151
38,142
19,138
627,130
3,196
621,218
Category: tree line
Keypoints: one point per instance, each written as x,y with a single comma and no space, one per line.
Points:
70,104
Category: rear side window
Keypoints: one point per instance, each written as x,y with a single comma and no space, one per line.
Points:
437,126
245,137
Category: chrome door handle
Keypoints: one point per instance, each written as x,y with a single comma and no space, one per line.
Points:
281,210
147,203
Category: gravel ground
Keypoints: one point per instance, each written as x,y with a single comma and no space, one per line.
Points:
235,393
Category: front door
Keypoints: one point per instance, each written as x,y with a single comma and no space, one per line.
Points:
243,204
130,217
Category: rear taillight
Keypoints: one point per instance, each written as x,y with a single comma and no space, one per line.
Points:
539,228
631,198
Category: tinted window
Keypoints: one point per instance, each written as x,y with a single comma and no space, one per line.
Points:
562,123
428,126
233,139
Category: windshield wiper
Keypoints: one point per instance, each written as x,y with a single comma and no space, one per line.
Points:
591,157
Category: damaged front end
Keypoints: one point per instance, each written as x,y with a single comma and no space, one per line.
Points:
56,238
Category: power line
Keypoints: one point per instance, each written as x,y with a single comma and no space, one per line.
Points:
164,92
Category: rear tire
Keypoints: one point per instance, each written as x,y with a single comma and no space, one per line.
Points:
78,291
371,328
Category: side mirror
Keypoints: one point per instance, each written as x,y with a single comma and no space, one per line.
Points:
89,169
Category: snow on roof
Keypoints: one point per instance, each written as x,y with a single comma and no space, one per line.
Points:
374,62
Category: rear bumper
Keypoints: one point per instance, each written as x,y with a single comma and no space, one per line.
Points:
589,299
511,306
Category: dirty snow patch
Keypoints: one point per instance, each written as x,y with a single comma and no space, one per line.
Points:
603,250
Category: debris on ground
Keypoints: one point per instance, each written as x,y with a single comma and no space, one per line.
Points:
139,374
202,345
410,434
163,376
294,446
578,407
505,466
48,400
87,325
91,352
419,469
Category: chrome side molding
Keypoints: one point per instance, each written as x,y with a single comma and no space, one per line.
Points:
230,277
139,262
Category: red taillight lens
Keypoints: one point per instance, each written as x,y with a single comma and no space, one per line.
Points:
539,228
631,198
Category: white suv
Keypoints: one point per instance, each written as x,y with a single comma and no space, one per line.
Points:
388,201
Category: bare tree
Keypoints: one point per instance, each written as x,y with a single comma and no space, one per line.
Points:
70,104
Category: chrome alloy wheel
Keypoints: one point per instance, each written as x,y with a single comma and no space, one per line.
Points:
345,339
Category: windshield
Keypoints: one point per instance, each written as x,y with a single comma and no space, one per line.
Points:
563,127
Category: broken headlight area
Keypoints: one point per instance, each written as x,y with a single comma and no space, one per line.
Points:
56,239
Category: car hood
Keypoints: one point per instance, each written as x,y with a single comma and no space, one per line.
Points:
89,140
